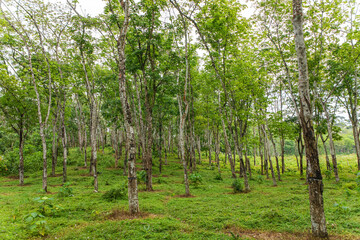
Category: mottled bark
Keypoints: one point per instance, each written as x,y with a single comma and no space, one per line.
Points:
64,143
21,154
128,121
267,153
314,176
54,153
328,165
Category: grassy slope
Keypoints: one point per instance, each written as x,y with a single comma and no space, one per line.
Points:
213,213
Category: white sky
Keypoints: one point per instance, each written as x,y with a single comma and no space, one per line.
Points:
91,7
95,7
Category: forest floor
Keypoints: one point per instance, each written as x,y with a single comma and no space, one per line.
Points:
213,211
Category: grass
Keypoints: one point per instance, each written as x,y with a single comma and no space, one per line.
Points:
214,211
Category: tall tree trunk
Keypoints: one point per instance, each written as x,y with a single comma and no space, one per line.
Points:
199,150
85,147
314,176
268,153
282,145
64,143
54,145
226,139
328,165
132,179
301,153
217,149
21,154
160,147
276,155
93,142
183,113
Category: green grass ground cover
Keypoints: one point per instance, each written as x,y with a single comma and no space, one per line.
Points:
213,213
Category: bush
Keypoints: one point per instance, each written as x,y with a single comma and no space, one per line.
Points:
195,179
116,193
159,180
328,174
358,179
218,177
141,176
36,224
259,179
237,186
3,167
106,160
350,186
66,190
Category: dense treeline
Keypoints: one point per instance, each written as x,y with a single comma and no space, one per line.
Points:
159,77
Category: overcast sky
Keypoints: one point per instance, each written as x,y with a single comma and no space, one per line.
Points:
92,7
95,7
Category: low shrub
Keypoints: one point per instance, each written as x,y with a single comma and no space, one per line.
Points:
195,179
66,190
116,193
141,176
218,177
237,186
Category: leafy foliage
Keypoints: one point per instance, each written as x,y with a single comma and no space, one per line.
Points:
195,179
237,186
116,193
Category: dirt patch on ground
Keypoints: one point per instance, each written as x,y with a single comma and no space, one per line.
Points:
86,175
185,196
144,190
270,235
51,193
6,194
15,177
56,185
112,168
160,176
56,175
82,168
118,214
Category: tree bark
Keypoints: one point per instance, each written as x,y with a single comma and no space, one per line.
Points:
314,176
328,165
132,179
21,154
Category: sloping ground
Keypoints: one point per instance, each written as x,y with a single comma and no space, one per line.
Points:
213,211
271,235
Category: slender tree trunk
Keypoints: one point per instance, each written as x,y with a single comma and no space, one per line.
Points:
247,162
331,141
93,142
132,179
54,147
199,150
165,151
64,143
183,100
21,154
226,139
160,147
282,145
357,143
276,157
217,149
301,153
266,154
314,176
85,147
328,165
267,150
209,143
